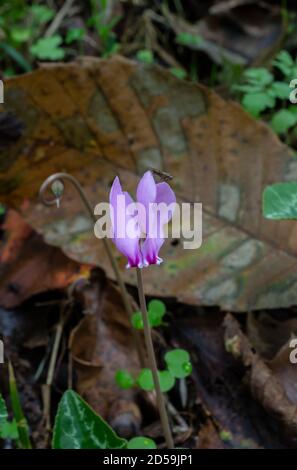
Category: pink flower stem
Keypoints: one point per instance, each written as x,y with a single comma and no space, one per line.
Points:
153,363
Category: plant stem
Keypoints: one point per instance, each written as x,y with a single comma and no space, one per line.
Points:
153,363
127,304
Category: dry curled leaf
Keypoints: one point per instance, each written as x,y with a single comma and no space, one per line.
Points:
272,383
102,118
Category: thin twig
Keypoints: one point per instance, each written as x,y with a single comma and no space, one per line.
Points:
51,369
55,24
153,363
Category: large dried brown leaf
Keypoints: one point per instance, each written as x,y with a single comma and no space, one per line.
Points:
101,118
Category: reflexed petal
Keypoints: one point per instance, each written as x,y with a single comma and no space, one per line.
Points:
150,251
167,196
146,194
124,224
129,247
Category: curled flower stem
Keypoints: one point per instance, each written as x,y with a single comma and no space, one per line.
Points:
53,201
153,363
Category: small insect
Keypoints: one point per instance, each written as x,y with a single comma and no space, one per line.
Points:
162,174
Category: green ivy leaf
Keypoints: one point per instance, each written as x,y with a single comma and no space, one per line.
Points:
255,103
48,48
146,56
77,426
141,443
145,380
280,201
9,430
178,363
282,121
124,379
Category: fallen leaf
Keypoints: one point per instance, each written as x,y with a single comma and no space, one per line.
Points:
28,266
102,118
272,383
217,388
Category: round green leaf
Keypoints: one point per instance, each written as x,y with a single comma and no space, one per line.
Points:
177,356
145,380
137,321
155,319
124,380
178,363
141,443
167,380
157,306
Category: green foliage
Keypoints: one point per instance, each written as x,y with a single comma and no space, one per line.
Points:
104,27
21,24
74,34
188,39
8,429
146,56
21,422
283,120
178,72
280,201
48,48
42,13
77,426
156,311
178,363
124,379
146,382
263,96
141,443
286,64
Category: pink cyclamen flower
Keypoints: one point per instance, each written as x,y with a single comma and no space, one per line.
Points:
137,228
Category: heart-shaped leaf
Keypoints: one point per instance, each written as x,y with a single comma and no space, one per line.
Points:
77,426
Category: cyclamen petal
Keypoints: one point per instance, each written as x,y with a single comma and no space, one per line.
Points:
121,221
128,221
146,193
